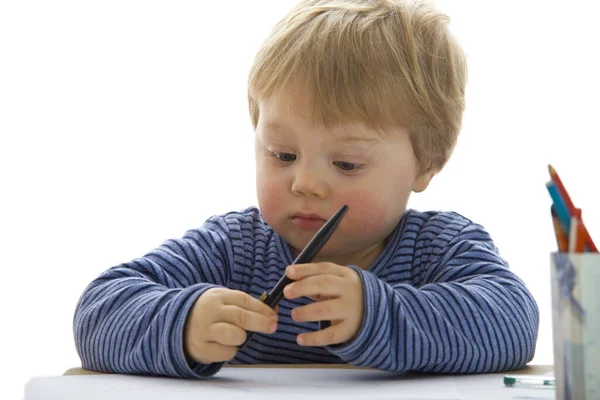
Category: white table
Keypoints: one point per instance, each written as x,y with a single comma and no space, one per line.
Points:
284,382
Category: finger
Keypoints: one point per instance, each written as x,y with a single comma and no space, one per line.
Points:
226,334
300,271
328,310
215,352
315,286
247,302
248,320
321,298
325,337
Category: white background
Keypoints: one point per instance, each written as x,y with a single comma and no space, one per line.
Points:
124,123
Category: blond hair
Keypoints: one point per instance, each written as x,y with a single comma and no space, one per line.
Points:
381,62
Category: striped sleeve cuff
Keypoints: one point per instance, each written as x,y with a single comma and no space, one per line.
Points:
354,351
183,367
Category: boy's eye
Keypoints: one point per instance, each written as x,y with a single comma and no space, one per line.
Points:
346,166
284,157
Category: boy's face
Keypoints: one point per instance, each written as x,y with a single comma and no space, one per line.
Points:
306,172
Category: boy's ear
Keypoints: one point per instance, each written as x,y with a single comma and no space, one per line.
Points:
423,180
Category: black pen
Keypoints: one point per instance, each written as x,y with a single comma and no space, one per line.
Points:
306,256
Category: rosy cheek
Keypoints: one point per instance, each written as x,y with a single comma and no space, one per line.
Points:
269,199
367,215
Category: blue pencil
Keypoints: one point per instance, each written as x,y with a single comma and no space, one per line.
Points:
559,206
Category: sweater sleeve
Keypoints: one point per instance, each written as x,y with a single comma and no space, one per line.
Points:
469,315
131,318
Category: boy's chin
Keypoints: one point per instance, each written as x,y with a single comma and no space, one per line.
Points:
330,252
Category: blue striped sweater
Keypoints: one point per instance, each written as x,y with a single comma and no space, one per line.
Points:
438,299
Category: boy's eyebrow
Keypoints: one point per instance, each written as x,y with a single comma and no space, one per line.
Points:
357,139
283,127
276,126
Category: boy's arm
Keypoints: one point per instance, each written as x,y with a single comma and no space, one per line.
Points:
131,318
470,315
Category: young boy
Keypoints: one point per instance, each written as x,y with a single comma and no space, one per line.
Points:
353,102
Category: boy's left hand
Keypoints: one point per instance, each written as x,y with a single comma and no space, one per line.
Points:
338,295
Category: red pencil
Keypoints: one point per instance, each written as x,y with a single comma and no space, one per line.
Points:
580,229
588,239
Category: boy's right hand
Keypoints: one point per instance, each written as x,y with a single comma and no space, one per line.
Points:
218,321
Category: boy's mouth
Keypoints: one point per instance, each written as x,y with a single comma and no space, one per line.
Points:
308,221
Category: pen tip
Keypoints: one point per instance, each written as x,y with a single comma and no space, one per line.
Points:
551,170
343,210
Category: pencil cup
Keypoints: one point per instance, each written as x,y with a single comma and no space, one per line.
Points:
575,283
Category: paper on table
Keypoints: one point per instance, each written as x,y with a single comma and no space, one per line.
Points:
249,383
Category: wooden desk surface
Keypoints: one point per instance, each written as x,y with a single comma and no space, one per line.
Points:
528,370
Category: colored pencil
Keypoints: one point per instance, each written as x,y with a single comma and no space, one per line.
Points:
559,206
562,190
589,243
576,235
565,208
562,238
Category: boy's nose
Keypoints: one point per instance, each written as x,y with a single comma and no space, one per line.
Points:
308,182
